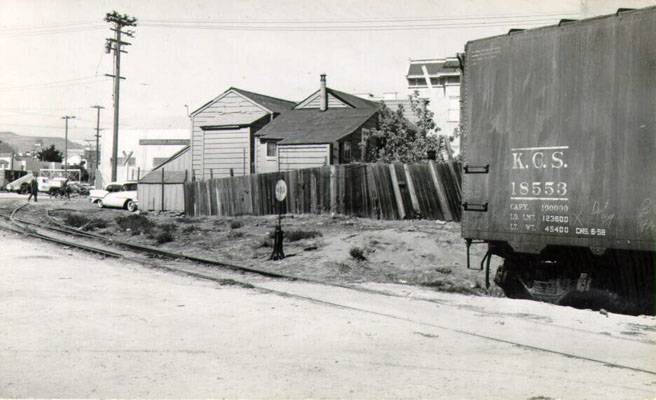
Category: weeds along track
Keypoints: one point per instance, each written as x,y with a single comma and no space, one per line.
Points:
56,232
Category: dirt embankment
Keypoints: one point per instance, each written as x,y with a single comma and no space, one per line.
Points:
336,249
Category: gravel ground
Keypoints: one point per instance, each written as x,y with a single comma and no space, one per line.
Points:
415,252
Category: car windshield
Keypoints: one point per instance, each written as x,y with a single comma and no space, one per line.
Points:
113,188
130,186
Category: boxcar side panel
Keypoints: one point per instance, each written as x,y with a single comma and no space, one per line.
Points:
565,117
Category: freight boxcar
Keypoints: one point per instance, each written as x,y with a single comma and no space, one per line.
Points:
559,173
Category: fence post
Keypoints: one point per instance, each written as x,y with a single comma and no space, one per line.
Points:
244,159
162,208
441,194
397,191
138,173
333,189
232,172
185,196
411,189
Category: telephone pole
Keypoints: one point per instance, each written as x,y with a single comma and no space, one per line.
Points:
97,160
114,44
66,118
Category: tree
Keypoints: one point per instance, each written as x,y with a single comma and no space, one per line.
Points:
50,154
397,139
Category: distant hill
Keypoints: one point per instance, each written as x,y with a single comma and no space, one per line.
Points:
23,144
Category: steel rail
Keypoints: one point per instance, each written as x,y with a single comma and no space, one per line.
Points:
200,275
262,289
173,255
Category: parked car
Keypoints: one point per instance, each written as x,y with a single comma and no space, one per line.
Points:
98,194
121,196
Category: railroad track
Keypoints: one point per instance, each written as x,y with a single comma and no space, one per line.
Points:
9,221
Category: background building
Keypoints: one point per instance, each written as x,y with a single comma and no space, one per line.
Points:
139,151
438,81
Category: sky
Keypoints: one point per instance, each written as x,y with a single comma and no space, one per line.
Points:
185,53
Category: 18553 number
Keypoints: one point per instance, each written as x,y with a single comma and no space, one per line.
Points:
558,189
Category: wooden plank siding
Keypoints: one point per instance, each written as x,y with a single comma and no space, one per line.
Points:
231,110
224,150
382,191
303,156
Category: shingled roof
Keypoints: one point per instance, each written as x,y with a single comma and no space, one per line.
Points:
273,104
313,126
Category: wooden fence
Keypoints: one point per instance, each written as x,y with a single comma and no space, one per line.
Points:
383,191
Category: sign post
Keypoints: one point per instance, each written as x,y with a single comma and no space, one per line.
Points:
281,195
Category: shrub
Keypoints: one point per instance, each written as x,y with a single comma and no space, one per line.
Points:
184,220
235,234
76,220
295,236
164,237
167,227
357,254
236,224
95,223
136,223
189,229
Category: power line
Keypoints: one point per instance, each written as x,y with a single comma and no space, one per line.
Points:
358,20
369,28
41,32
56,84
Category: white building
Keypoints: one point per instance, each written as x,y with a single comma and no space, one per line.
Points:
139,151
438,81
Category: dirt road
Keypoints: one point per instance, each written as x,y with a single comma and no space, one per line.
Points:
75,325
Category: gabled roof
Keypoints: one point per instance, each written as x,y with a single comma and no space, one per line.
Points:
312,126
348,99
271,104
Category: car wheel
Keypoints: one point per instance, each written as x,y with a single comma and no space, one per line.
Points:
131,206
99,203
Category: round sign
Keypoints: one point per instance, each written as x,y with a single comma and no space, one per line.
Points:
281,190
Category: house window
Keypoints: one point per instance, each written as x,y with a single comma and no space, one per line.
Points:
346,152
271,149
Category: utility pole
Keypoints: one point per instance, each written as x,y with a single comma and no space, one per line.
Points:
97,160
66,118
114,44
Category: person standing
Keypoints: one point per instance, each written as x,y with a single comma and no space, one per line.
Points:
34,189
66,190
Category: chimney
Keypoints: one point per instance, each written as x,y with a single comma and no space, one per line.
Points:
323,94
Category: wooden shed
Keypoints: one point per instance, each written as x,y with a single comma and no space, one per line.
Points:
223,132
162,189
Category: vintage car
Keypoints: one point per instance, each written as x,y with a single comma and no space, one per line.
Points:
115,194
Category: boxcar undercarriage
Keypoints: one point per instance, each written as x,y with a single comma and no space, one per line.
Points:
618,281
